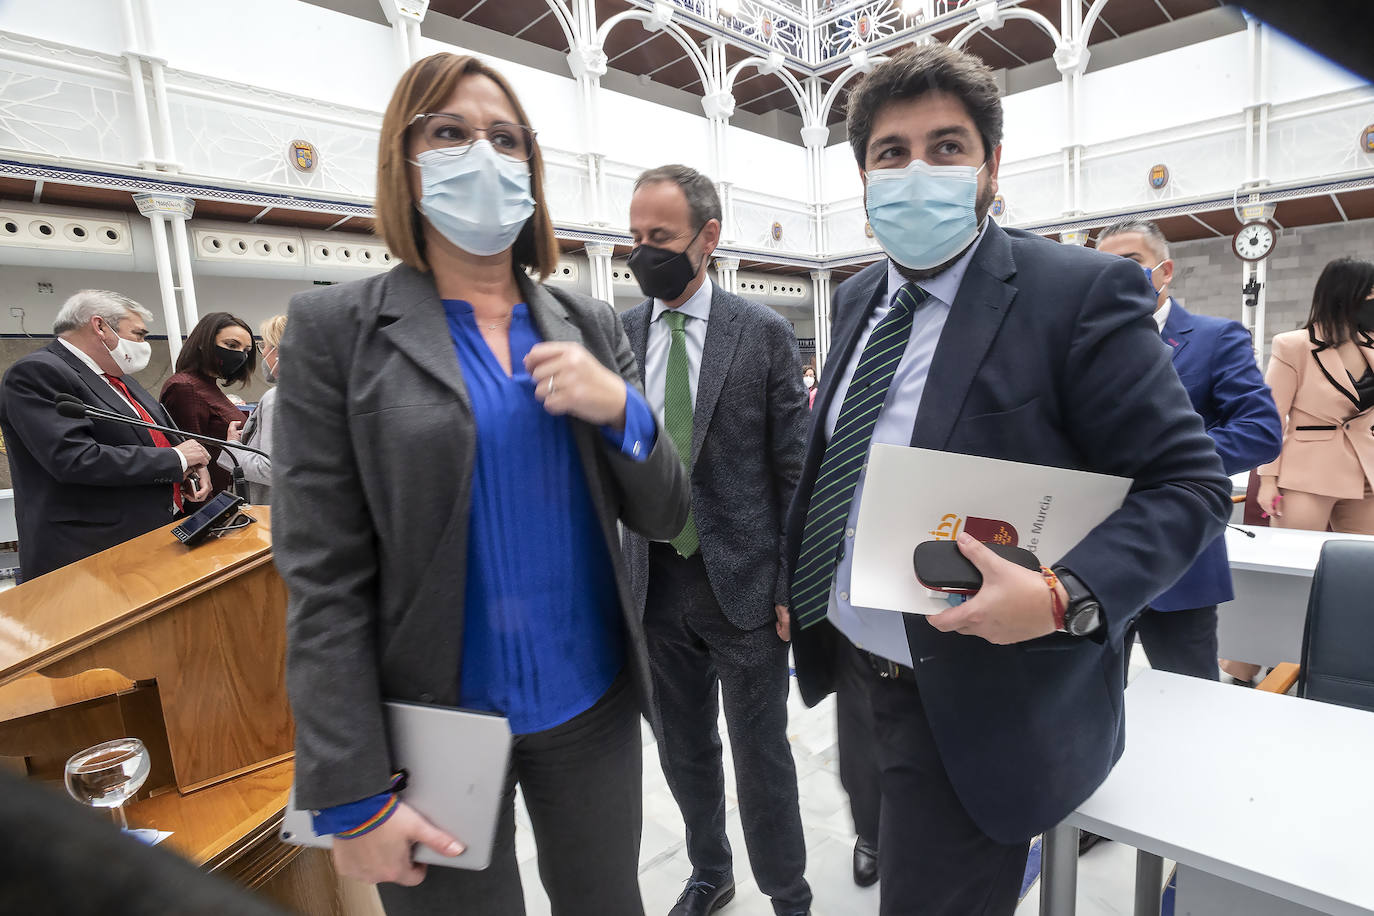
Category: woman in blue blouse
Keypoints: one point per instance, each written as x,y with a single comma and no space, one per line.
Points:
457,447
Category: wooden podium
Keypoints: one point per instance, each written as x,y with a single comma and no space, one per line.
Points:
183,648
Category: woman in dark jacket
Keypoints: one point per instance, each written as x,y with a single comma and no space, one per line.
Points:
218,353
456,447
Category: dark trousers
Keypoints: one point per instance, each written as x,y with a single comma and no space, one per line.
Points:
694,653
858,746
934,860
582,786
1182,642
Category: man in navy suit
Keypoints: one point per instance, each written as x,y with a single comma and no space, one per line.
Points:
83,485
993,719
1215,359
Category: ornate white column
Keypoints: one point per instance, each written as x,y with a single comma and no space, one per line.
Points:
719,106
160,209
814,137
588,64
405,17
155,150
820,311
727,274
599,262
1071,59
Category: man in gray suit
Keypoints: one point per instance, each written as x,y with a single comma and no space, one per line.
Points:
724,376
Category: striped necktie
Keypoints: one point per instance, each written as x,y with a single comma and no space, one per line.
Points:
677,416
845,456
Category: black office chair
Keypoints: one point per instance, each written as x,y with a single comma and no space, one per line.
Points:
1336,665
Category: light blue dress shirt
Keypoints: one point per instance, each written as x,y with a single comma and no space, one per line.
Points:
698,312
879,631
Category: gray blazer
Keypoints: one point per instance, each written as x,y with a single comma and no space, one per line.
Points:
748,441
372,481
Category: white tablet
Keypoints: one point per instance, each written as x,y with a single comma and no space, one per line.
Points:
456,763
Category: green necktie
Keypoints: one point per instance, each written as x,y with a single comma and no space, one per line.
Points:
677,416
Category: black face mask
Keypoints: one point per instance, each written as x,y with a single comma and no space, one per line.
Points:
1364,315
663,274
230,361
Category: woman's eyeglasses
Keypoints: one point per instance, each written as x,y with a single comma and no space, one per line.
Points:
453,134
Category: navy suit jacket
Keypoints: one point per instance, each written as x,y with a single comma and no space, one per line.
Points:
1215,359
1050,356
80,486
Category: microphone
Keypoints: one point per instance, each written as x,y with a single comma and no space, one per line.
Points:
76,409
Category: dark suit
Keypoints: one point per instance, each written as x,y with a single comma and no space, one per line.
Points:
1215,360
372,466
1049,356
80,486
710,618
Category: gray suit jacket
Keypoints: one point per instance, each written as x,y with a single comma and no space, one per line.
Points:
372,482
748,441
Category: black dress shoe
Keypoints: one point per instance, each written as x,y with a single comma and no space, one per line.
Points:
865,863
702,897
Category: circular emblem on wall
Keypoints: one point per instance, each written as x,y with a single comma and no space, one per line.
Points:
766,28
999,205
1159,176
863,26
868,229
1367,139
303,155
776,231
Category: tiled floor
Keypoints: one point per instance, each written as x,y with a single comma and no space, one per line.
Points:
1105,879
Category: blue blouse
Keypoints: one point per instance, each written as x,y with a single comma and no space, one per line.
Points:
542,634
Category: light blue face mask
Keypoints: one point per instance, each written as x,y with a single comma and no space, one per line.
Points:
923,215
478,200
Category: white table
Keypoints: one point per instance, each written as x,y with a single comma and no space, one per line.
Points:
1290,817
1272,576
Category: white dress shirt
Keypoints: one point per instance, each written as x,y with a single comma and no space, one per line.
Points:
698,312
1162,313
878,631
95,367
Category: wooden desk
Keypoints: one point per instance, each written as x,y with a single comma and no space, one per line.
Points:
185,649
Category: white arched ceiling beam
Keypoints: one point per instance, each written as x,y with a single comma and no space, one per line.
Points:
833,93
670,28
1090,20
767,66
1015,12
565,21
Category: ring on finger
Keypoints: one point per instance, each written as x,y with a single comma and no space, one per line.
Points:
550,394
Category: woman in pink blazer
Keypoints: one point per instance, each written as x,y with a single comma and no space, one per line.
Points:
1322,377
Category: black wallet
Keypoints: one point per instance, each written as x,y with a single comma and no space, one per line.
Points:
941,567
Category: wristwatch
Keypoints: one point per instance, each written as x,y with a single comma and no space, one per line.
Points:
1083,616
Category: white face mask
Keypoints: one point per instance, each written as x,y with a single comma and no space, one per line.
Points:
479,200
808,381
269,374
130,355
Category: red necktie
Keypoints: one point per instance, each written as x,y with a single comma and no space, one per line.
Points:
160,440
